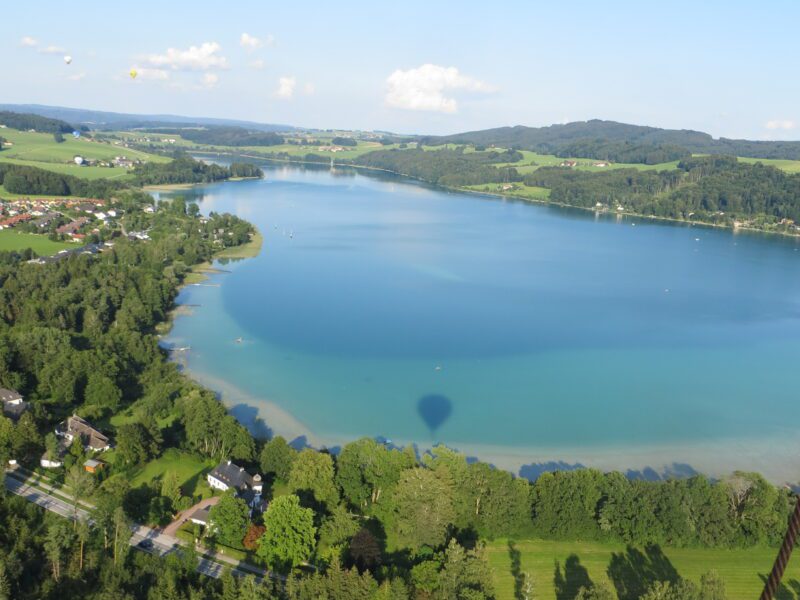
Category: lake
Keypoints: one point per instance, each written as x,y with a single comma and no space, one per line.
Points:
526,335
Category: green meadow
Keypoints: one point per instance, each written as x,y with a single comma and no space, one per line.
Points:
190,469
42,151
10,239
558,569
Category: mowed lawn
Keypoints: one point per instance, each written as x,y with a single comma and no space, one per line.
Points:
191,471
579,562
14,240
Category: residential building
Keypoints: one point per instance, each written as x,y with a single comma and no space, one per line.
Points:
228,475
14,404
75,426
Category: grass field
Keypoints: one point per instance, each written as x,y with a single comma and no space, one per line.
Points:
579,562
790,166
520,190
14,240
42,151
190,469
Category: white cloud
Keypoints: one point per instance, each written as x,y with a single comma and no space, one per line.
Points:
257,64
195,58
424,87
150,74
77,76
286,87
780,124
250,42
52,50
210,80
309,89
28,41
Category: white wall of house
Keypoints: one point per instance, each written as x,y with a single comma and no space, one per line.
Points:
216,483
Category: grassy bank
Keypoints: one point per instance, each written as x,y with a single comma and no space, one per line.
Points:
560,568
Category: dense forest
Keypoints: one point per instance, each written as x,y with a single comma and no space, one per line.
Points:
25,121
185,169
593,134
22,179
226,136
714,189
623,152
375,521
444,166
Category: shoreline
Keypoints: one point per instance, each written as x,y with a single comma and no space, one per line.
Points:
199,273
714,459
521,198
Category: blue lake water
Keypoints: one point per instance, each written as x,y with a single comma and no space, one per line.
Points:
382,307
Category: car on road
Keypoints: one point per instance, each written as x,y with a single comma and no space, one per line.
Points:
145,545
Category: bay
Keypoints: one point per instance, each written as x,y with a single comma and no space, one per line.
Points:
527,335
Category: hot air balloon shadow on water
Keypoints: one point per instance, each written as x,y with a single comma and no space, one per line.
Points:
434,409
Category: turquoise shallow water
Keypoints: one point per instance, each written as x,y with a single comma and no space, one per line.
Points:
382,307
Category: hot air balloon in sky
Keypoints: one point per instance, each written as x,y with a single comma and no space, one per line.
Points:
68,59
133,73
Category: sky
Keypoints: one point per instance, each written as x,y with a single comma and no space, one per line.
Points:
728,68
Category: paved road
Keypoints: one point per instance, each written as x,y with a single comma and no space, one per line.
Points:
158,543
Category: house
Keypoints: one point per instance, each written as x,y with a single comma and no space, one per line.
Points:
226,475
569,163
600,164
54,462
93,466
200,516
73,226
13,403
91,438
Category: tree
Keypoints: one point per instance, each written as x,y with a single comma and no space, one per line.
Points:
171,487
5,584
598,591
712,586
81,485
101,391
254,532
366,469
122,533
134,444
229,519
312,472
423,507
58,538
365,551
289,537
665,590
277,457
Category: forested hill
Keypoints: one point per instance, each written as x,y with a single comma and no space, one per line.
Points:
601,139
26,121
